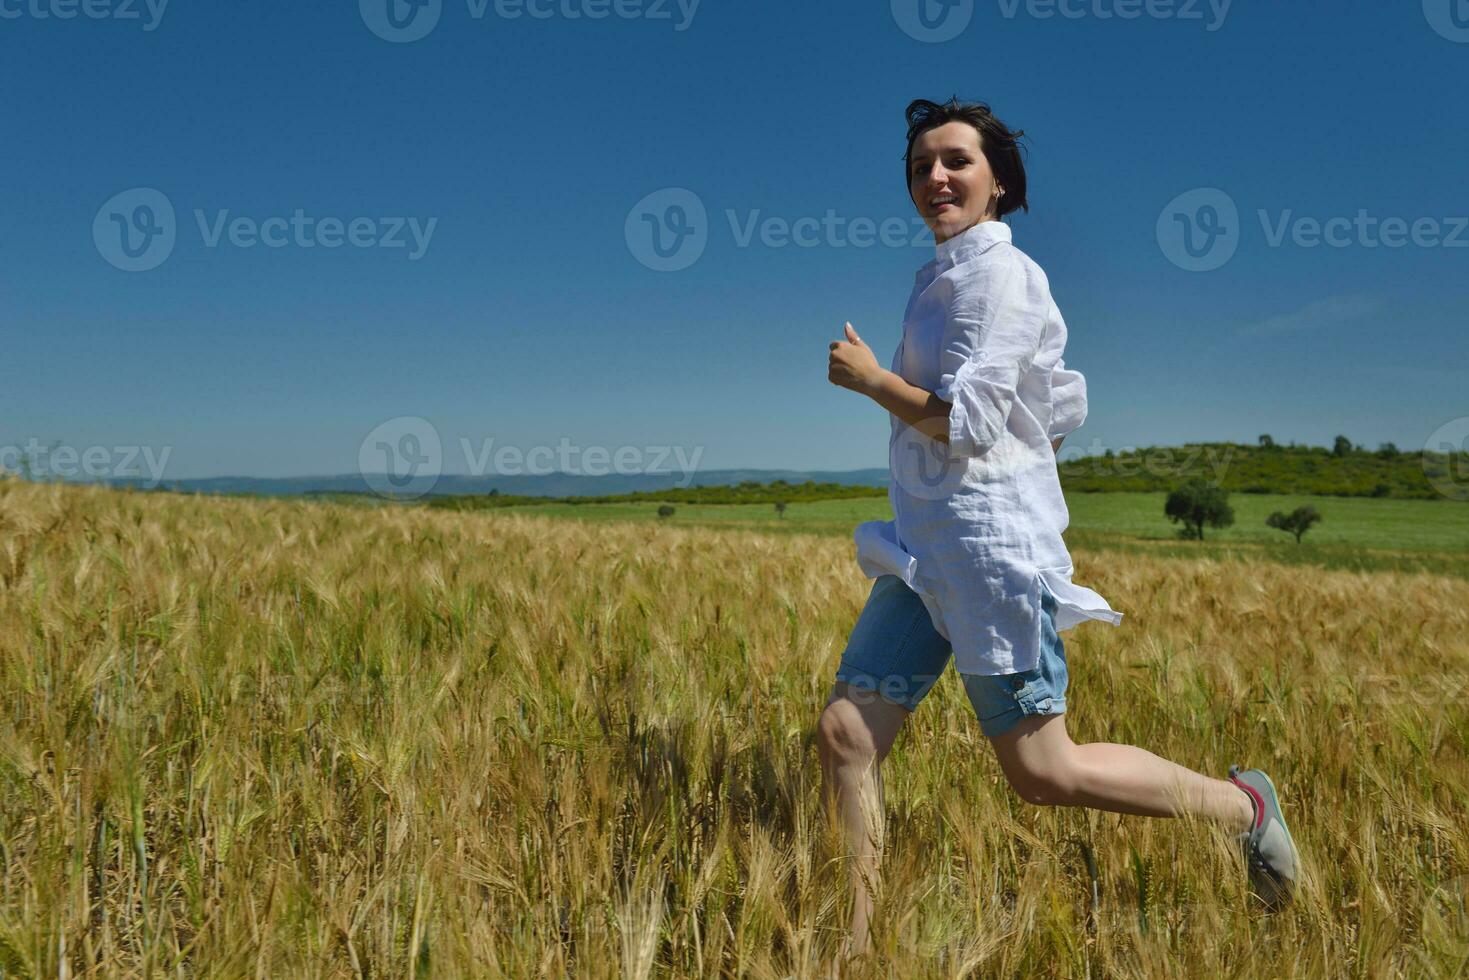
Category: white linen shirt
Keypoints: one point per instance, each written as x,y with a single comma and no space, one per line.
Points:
977,522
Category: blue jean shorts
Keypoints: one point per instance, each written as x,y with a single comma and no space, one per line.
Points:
896,652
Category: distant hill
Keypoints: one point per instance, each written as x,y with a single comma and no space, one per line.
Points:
1386,472
1355,472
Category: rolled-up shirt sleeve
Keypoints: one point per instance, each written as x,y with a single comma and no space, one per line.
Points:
1068,401
995,323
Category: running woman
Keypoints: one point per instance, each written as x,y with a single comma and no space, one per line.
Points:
973,566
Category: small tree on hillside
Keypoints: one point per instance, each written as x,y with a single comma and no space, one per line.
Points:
1196,503
665,511
780,507
1297,522
1266,442
1341,447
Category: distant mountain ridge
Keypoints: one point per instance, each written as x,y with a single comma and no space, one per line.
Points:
1344,470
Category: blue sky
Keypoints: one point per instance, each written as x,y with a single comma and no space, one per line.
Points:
527,311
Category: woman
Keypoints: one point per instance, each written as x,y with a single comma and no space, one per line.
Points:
973,565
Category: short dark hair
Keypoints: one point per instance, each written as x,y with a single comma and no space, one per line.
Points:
999,143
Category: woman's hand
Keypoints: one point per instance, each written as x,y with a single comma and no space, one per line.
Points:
852,364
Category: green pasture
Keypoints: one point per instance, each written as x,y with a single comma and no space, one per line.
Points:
1355,532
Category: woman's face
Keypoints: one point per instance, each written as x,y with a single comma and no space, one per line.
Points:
950,180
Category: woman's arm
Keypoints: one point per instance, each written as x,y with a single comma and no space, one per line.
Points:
852,365
918,407
925,411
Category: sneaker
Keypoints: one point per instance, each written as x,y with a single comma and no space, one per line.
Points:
1270,853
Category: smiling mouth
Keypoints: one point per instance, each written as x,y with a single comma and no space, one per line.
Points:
942,203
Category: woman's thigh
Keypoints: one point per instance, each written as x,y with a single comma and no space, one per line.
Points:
894,651
1003,701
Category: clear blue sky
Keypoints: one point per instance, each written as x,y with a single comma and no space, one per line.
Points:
529,141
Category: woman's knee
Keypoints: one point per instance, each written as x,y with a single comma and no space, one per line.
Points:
842,736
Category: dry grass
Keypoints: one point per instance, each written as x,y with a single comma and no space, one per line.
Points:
285,739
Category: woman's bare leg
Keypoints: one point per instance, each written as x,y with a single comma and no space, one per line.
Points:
855,733
1046,767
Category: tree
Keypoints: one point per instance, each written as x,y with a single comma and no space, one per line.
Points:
1196,503
1342,446
664,511
1266,442
780,507
1387,450
1297,522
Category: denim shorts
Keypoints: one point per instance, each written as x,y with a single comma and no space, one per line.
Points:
895,651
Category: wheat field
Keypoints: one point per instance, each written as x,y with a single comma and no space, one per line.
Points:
280,739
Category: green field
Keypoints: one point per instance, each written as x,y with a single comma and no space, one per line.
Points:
1355,532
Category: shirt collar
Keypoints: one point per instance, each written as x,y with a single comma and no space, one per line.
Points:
965,245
